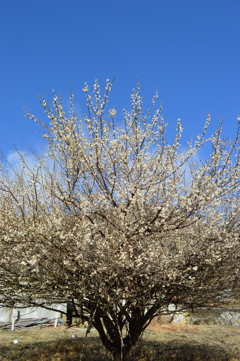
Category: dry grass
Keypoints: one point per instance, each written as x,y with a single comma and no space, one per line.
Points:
53,344
160,342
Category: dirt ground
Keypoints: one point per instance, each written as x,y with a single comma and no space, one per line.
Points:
163,342
204,338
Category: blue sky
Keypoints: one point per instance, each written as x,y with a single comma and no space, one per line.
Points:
189,49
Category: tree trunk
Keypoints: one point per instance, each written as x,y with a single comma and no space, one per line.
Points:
118,357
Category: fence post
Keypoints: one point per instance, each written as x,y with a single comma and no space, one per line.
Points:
55,322
13,323
70,309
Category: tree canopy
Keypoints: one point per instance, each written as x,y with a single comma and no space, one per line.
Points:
120,222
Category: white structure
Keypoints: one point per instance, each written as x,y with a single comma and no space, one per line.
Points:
16,313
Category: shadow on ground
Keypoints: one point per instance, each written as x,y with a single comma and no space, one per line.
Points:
92,350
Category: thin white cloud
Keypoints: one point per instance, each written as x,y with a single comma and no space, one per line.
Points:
15,162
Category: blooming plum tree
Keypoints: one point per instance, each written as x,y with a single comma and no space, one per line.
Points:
120,222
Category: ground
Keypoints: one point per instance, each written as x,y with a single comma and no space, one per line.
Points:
163,342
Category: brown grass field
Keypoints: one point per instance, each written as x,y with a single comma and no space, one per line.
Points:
169,342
